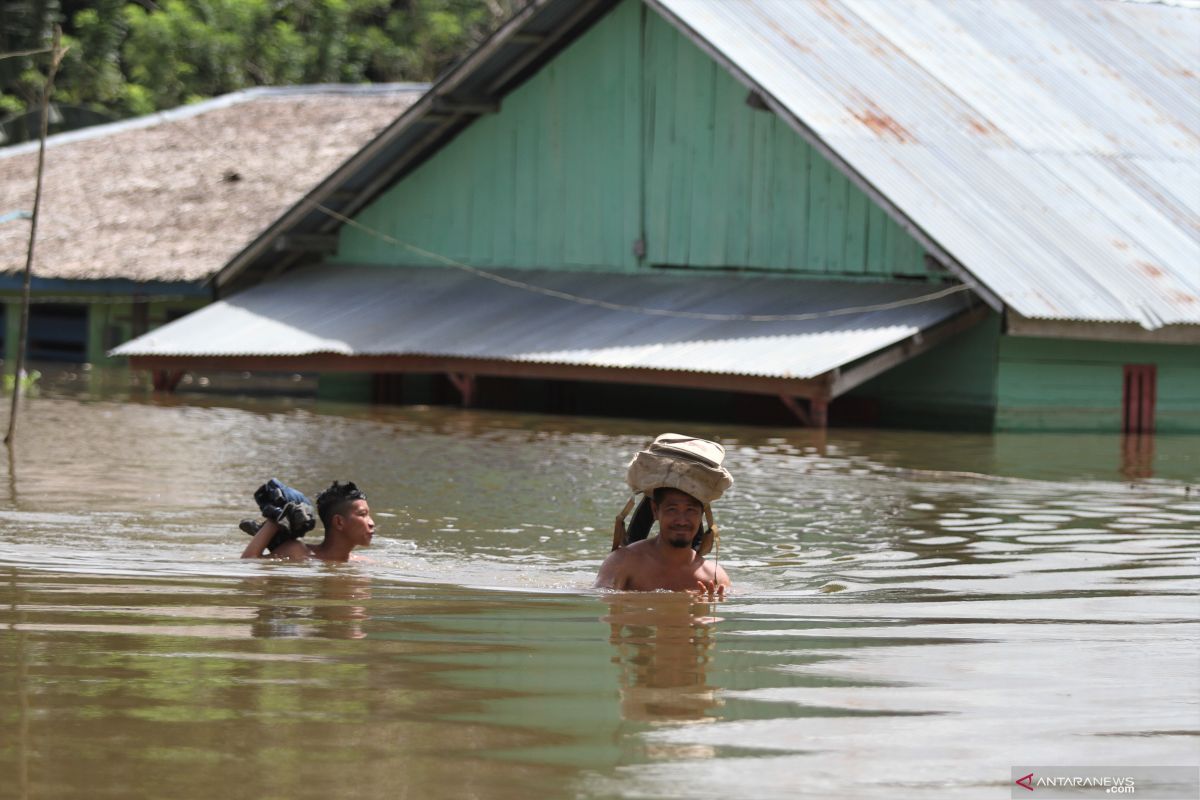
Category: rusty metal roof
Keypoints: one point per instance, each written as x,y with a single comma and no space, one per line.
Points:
429,311
1049,148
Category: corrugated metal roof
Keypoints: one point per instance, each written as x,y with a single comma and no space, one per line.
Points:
373,310
1050,148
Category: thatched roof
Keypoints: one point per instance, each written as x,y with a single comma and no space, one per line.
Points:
173,196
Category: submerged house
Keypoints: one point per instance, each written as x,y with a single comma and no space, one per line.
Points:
138,215
906,213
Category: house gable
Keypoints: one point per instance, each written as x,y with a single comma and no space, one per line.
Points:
632,150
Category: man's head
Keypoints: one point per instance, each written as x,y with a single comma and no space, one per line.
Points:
343,508
678,515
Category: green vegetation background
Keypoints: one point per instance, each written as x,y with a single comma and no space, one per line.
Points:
131,57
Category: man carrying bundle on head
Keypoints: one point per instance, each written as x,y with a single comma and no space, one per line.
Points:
680,477
288,515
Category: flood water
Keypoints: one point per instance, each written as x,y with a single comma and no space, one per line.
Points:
913,613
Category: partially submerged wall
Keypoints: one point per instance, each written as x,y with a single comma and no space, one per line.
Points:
1072,385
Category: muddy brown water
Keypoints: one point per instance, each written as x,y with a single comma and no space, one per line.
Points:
913,613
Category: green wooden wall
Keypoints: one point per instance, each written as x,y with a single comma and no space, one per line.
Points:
950,387
633,133
1065,384
727,185
550,180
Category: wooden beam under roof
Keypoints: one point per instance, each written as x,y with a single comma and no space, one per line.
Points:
331,362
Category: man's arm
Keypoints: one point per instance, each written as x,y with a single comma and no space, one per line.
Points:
258,542
292,549
614,572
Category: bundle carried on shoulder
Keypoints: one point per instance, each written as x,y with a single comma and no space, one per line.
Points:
673,461
288,508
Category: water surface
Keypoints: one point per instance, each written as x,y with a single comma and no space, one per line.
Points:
913,614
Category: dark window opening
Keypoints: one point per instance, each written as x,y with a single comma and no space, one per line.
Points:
58,332
1138,398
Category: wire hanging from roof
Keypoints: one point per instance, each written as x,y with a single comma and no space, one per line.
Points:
635,309
649,311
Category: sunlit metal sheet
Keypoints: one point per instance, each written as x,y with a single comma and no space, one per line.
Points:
1050,148
385,311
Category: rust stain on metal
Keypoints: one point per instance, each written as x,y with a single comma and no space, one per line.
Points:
1054,309
1183,297
882,125
856,31
1149,269
982,127
1117,243
877,120
827,11
775,26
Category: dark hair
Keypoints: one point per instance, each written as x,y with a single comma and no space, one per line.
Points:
333,501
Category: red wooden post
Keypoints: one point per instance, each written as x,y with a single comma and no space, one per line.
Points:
1149,397
166,380
1139,396
799,411
465,383
819,410
815,416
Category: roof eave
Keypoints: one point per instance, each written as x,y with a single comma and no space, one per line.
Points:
1100,331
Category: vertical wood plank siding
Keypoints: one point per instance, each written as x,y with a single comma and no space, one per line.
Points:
549,181
729,186
1063,384
633,132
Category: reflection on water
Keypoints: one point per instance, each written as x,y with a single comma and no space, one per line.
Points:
330,607
664,648
913,613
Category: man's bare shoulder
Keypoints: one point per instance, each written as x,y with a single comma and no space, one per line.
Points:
614,572
292,550
638,549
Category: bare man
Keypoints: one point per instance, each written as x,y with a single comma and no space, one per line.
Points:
346,516
666,561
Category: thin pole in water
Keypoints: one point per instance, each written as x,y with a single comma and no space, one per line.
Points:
57,52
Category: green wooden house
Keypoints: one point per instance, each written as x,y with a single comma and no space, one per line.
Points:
937,214
137,216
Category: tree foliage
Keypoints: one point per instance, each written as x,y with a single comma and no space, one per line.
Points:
136,56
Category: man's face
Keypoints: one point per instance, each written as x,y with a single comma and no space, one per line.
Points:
357,523
678,517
